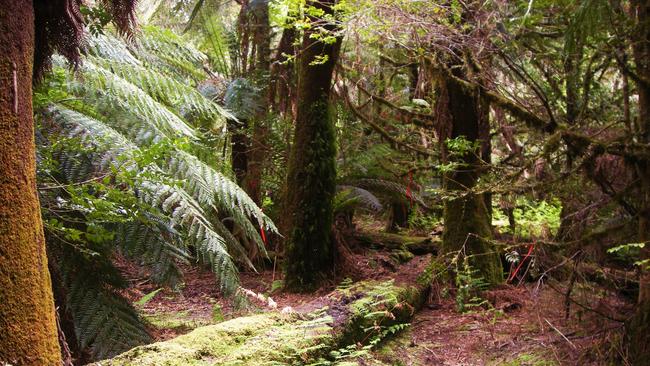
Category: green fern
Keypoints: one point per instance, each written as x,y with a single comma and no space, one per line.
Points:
126,146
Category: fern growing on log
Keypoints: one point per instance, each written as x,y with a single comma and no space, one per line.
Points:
127,164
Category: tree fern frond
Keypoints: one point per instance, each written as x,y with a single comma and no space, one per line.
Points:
109,47
216,187
184,99
164,49
182,208
104,321
155,244
187,212
243,98
155,120
361,196
392,189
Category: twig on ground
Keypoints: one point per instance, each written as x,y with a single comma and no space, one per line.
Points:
563,336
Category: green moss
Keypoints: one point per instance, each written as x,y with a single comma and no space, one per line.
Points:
275,339
526,359
253,340
179,320
401,256
467,229
217,313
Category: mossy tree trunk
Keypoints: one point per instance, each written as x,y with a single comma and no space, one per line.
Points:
312,172
28,333
638,329
466,217
258,20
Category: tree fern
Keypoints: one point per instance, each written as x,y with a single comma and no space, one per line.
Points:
167,51
120,130
182,209
171,92
121,94
351,197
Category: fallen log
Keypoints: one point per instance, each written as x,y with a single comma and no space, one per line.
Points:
416,245
347,317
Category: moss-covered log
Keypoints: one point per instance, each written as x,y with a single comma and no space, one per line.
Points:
27,325
416,245
311,177
342,318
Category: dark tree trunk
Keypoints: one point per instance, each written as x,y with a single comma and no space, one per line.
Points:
28,334
261,36
398,217
239,157
638,329
467,222
570,224
282,75
312,172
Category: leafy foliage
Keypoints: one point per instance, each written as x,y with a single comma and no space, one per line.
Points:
126,164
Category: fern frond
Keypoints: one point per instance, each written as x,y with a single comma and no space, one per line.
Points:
208,184
187,212
360,197
243,98
182,208
165,50
155,119
389,188
104,321
107,46
183,98
155,244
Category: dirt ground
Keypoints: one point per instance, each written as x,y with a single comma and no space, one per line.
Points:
527,326
199,301
523,325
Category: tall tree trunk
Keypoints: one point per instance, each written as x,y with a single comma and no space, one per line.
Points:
239,142
638,329
570,224
467,226
261,30
282,75
28,333
312,171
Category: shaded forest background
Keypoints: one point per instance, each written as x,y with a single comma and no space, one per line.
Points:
511,138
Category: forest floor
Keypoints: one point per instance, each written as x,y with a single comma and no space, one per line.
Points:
524,324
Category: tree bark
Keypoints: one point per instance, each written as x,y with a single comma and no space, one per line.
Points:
398,217
281,93
638,329
261,31
466,217
312,170
28,334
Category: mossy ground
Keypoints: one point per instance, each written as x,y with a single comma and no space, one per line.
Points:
176,320
343,317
